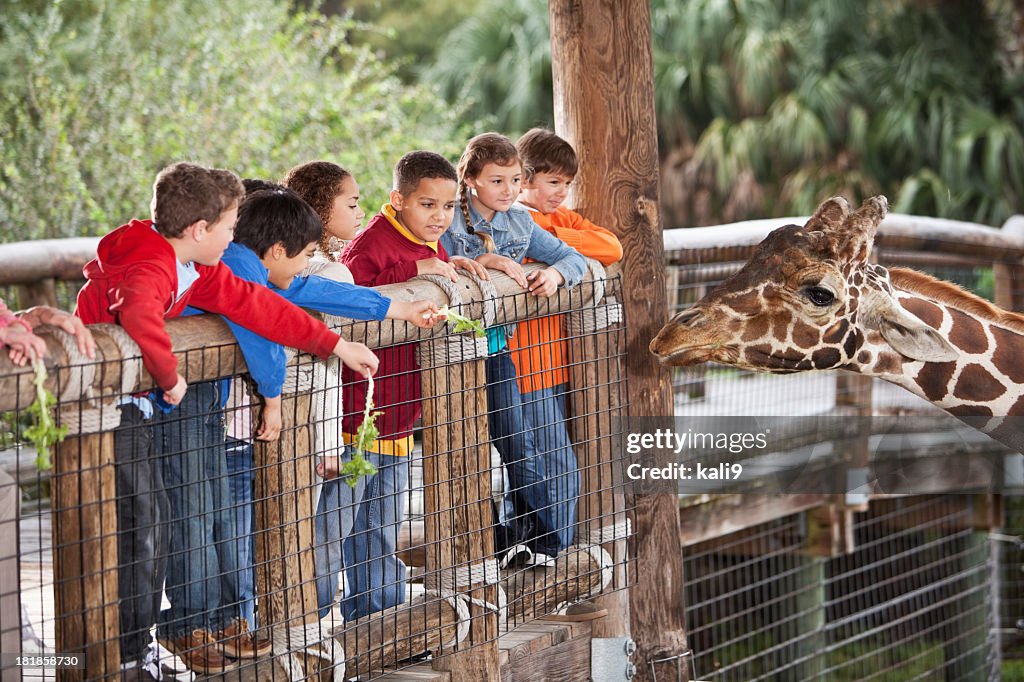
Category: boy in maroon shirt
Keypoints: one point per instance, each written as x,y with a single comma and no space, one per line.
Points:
399,243
146,272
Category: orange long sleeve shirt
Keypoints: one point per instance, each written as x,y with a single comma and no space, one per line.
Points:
538,346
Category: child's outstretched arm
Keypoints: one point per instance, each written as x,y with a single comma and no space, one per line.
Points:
423,314
549,249
357,357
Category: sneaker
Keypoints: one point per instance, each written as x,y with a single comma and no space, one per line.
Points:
515,556
136,673
199,651
241,642
541,560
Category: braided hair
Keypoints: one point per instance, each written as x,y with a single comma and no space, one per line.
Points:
483,149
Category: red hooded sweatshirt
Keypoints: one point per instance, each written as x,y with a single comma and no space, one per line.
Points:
133,282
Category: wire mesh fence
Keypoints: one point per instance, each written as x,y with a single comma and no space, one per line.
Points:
912,602
176,539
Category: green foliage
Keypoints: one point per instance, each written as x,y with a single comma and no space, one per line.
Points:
96,96
365,435
462,323
497,64
407,32
766,107
44,432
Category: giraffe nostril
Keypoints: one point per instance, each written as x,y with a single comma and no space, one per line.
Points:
687,317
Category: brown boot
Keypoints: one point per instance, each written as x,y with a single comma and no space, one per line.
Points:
199,651
241,642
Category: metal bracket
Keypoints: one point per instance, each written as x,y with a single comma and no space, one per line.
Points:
609,659
652,662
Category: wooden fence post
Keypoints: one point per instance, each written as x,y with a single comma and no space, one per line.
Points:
284,529
603,75
594,381
457,498
85,555
84,499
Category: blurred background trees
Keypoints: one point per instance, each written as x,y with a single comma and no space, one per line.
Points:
97,95
765,107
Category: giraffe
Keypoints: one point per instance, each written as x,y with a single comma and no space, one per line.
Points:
809,299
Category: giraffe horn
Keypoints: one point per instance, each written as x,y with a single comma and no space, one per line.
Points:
830,215
862,225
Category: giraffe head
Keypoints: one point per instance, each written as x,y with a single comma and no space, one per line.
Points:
807,299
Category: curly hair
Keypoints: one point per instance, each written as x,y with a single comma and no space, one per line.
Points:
318,183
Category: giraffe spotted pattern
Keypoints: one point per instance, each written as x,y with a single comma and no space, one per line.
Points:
810,299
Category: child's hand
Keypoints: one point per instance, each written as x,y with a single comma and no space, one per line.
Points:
503,264
423,314
270,419
44,314
175,395
545,282
357,357
463,263
328,467
436,266
24,345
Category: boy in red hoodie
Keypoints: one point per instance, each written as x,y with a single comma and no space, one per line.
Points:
399,243
145,272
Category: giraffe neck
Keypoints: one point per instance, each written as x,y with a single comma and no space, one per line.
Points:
987,380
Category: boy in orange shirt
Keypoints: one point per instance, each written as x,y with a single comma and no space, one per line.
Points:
538,346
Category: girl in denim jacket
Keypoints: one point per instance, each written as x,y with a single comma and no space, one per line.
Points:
499,235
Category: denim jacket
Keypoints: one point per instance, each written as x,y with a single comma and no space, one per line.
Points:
515,236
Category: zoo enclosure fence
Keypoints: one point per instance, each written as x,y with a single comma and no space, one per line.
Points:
454,599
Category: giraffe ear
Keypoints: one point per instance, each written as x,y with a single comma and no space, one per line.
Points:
909,336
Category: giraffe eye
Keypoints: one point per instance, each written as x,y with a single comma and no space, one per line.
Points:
820,296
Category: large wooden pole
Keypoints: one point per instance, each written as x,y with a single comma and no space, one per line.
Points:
604,105
457,495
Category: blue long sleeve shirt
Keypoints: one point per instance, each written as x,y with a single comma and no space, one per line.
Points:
266,359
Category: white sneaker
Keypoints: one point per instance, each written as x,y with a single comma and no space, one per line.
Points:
541,560
515,556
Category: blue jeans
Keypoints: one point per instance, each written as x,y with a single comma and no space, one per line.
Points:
544,411
506,420
239,459
375,576
202,567
335,516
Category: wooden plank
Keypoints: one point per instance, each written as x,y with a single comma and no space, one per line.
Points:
597,48
458,519
566,662
717,516
206,349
